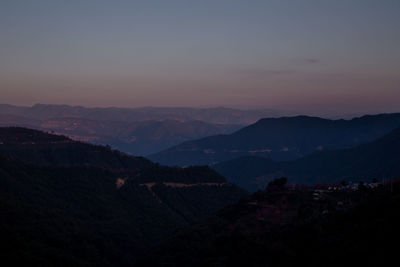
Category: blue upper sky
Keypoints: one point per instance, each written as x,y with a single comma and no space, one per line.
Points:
309,55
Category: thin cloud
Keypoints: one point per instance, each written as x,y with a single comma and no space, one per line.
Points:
311,60
258,73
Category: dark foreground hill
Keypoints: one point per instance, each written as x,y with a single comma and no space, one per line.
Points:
40,148
284,138
293,228
379,159
65,203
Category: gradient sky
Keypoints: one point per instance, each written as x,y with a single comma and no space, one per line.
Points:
320,55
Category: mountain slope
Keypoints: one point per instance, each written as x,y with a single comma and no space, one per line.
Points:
36,147
378,159
280,139
292,228
73,204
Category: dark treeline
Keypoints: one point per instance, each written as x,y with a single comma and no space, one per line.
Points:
292,228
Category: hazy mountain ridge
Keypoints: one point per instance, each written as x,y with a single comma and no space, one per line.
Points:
140,131
218,115
136,138
283,138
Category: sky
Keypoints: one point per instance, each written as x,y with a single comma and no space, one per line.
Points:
305,55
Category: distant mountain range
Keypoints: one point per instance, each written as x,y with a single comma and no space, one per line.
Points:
378,159
136,138
218,115
69,203
136,131
285,138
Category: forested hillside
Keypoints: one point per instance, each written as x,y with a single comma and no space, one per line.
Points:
308,226
68,203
